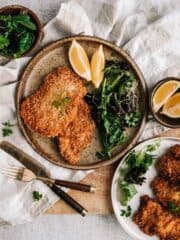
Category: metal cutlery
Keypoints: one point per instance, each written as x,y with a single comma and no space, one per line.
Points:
26,175
39,172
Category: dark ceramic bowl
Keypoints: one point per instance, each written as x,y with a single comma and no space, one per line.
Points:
164,120
16,9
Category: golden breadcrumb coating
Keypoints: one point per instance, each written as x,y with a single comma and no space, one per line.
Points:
54,105
154,219
78,134
166,192
175,151
169,165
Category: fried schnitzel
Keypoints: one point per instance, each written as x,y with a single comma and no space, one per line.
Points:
54,105
153,219
166,192
169,165
175,151
78,134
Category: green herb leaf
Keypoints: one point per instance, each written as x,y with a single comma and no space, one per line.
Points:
37,196
25,20
132,119
4,42
26,40
128,190
126,212
6,130
173,208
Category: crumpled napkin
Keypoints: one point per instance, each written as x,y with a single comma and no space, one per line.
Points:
148,30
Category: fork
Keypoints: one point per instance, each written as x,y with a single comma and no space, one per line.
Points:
26,175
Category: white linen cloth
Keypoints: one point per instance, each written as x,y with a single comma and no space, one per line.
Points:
149,30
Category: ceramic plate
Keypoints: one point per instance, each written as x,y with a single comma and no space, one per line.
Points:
126,222
49,58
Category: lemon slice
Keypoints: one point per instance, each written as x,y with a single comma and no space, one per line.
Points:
97,66
172,107
79,60
163,93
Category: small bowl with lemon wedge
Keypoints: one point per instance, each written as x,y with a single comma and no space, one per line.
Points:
165,102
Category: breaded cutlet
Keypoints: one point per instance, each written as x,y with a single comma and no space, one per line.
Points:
78,134
154,219
169,165
175,151
166,192
54,105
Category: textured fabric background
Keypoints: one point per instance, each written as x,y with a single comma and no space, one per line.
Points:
92,227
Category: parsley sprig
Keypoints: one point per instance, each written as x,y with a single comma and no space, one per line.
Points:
37,195
126,212
6,130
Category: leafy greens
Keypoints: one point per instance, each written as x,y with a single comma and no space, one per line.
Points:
115,105
138,162
17,34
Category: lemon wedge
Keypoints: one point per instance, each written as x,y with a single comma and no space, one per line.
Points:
163,93
79,60
172,107
97,66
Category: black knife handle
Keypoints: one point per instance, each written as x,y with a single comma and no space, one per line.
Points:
68,199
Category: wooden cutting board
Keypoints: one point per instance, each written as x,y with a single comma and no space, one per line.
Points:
100,201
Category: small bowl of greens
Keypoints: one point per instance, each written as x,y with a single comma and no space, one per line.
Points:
20,31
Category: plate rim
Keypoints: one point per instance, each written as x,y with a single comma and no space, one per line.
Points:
22,81
119,165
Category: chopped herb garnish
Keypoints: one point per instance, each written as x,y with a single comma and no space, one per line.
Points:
126,212
6,130
172,207
115,105
61,103
37,196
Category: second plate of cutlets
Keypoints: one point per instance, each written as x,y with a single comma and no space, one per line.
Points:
150,212
37,106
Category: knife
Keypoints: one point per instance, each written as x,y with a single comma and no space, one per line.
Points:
39,170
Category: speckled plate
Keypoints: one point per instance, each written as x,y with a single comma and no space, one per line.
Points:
49,58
